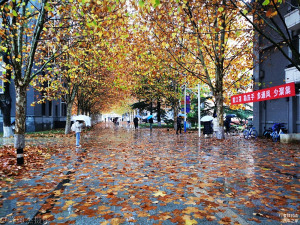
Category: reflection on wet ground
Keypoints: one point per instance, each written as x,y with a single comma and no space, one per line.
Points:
127,176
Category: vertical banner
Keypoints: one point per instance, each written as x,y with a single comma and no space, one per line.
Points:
282,91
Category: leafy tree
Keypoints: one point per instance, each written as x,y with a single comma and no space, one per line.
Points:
267,19
34,37
23,31
77,76
208,40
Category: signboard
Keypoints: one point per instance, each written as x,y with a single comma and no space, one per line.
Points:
282,91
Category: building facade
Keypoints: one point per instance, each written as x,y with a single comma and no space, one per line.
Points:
274,69
46,116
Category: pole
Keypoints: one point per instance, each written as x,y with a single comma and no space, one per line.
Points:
199,111
185,108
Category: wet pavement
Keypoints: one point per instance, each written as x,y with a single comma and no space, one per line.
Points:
126,176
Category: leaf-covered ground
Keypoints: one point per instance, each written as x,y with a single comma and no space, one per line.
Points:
123,176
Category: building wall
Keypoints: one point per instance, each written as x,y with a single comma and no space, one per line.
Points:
39,117
270,72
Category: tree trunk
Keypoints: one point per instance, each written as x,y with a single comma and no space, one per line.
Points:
20,121
68,121
158,113
220,111
175,110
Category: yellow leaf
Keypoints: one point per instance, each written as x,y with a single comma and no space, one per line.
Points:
105,223
68,203
57,193
159,193
188,221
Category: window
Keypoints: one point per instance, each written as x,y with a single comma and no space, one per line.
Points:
63,109
43,109
295,3
296,44
50,108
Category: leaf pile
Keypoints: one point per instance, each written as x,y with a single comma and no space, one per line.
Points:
35,157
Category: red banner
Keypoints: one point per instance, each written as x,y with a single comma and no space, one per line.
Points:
282,91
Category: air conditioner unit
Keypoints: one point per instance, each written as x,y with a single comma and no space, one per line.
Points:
292,75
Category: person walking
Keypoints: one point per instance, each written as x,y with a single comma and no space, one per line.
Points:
136,122
215,125
78,129
178,124
227,123
151,122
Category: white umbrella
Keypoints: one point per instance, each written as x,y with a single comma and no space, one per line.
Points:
84,118
206,118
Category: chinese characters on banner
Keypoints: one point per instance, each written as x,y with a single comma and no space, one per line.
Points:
282,91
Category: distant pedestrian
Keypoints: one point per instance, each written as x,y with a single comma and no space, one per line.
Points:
128,120
227,123
178,124
136,122
215,125
151,122
78,128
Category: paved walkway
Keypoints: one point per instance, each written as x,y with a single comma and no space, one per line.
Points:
127,176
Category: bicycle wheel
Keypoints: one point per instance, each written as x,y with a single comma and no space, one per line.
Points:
275,136
267,134
254,134
246,134
233,131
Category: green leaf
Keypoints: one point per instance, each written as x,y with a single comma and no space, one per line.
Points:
15,13
245,12
155,3
141,3
266,2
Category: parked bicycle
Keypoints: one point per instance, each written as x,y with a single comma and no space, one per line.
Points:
250,132
277,129
267,132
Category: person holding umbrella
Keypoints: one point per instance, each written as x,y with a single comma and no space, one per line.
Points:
178,124
78,127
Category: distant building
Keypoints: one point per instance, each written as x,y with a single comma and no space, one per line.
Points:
273,70
49,115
